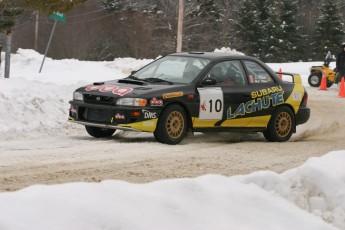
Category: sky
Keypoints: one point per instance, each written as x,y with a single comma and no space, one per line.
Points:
311,196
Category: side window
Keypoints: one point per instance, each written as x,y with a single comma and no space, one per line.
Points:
228,73
257,74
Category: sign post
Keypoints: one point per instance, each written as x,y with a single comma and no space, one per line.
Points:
57,17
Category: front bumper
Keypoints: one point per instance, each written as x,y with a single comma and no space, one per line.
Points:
302,115
114,117
104,126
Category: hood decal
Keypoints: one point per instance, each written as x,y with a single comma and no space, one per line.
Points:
110,88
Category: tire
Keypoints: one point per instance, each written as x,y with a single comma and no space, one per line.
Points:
172,125
314,80
281,125
99,132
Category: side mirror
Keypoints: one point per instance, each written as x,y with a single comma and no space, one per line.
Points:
209,81
133,72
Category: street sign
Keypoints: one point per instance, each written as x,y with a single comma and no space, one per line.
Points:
58,16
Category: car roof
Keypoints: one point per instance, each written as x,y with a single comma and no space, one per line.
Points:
212,55
219,56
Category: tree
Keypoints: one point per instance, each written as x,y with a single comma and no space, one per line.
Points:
328,30
291,40
202,19
247,28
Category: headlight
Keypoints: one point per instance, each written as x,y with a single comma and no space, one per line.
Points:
77,96
132,102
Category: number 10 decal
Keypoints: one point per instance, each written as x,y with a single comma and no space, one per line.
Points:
211,103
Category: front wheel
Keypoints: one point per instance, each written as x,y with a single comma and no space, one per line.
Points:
314,80
281,125
99,132
172,125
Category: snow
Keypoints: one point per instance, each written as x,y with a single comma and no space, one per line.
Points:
311,196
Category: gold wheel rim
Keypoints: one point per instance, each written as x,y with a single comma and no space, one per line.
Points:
175,124
283,124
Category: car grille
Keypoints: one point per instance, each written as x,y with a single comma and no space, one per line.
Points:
99,99
98,115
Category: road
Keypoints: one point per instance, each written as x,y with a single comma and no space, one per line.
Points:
136,157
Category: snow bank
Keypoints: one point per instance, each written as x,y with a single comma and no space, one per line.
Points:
228,50
317,187
262,201
36,104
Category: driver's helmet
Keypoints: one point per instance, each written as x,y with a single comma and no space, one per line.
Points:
343,44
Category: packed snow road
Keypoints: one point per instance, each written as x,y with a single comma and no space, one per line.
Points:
136,157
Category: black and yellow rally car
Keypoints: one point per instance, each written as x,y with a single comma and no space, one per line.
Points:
194,92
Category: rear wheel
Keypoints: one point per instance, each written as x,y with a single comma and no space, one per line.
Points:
172,125
99,132
314,80
281,125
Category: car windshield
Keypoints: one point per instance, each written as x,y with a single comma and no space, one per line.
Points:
171,69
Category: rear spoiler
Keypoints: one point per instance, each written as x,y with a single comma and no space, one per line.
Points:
290,77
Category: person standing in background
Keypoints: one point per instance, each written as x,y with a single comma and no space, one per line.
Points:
340,65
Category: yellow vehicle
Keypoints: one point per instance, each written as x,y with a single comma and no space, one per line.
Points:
315,76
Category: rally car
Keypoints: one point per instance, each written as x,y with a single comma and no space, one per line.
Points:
194,92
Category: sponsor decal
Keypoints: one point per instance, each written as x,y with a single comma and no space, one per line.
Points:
73,110
110,88
149,115
257,104
107,88
149,123
203,106
267,91
172,95
296,96
122,91
156,102
119,116
261,100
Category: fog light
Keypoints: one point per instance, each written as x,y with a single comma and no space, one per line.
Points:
135,113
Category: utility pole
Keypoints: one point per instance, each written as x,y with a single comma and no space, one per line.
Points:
36,30
8,44
180,26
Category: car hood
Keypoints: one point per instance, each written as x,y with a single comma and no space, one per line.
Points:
127,88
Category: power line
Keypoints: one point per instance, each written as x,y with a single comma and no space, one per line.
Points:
79,22
80,15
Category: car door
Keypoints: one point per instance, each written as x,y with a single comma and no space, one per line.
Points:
265,93
219,101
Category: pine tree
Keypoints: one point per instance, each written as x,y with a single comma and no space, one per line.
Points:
247,27
273,34
119,5
205,8
202,21
290,46
328,30
147,6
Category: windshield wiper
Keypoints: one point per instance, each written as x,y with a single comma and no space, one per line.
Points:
134,78
156,80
